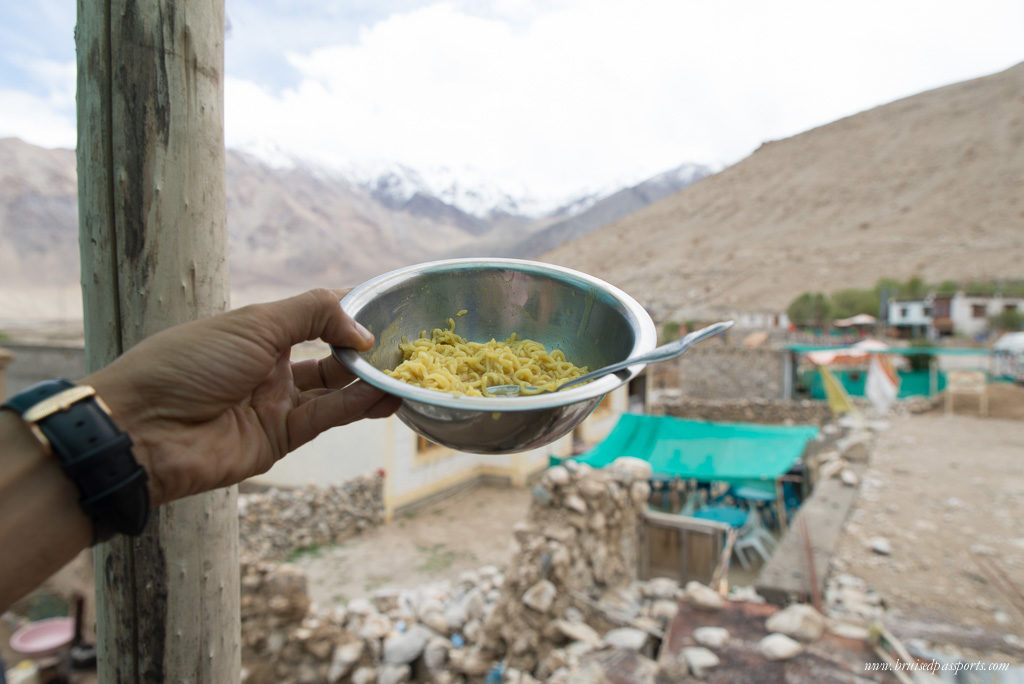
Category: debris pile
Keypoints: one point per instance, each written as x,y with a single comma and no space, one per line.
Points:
570,590
277,521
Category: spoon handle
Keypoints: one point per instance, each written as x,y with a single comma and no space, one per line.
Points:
662,353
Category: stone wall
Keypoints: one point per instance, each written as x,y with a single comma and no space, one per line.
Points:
766,411
714,370
274,522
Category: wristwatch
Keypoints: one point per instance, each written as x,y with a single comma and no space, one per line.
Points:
74,425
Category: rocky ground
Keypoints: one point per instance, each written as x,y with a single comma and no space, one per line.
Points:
944,495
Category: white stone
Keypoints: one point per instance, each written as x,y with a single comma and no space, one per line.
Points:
849,478
711,637
848,630
880,545
575,503
799,621
557,475
375,626
394,674
577,631
700,660
779,647
455,616
360,606
639,491
662,588
473,604
638,468
664,609
344,658
435,621
830,469
540,596
627,638
472,631
703,596
365,675
404,647
435,654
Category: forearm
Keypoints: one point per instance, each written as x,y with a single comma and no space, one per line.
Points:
42,526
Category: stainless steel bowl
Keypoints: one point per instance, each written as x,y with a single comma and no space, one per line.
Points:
592,322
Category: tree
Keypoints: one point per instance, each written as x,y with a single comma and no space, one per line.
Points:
850,302
810,309
1009,320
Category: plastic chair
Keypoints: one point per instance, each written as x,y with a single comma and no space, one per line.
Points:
753,537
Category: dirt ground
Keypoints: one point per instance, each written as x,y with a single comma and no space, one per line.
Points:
947,492
471,529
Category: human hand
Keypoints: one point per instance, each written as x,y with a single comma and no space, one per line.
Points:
211,402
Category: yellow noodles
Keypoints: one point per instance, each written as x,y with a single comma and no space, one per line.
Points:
448,363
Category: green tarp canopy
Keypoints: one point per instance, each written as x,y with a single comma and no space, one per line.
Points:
699,450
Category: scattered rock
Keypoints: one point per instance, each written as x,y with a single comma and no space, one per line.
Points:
703,596
577,631
540,596
849,477
627,638
557,475
365,675
799,621
700,660
880,545
635,468
662,588
435,653
779,647
405,647
711,637
344,659
394,674
575,503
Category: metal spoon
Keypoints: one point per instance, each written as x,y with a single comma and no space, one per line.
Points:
662,353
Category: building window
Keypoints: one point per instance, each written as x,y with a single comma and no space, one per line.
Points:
927,311
903,311
1009,307
978,311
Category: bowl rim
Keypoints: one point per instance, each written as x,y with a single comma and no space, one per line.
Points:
353,302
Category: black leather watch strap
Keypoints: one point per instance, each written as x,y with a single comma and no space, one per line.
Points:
76,427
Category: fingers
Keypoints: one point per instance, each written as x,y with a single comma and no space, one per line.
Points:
325,373
331,409
316,314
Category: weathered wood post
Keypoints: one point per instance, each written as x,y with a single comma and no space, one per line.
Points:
153,243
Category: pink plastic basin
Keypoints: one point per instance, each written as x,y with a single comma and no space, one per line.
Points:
43,637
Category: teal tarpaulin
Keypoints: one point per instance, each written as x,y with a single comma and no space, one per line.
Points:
695,449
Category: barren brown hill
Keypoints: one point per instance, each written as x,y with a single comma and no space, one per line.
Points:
931,185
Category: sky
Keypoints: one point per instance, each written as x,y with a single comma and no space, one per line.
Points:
546,98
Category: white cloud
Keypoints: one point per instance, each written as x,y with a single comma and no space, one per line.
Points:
46,119
559,95
589,93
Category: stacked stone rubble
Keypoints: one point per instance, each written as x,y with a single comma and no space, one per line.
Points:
577,549
277,521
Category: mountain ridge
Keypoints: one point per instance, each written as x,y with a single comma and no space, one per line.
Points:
928,185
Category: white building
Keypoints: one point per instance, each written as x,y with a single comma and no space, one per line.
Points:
968,315
910,317
417,470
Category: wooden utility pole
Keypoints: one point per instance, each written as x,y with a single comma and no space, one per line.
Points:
153,243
